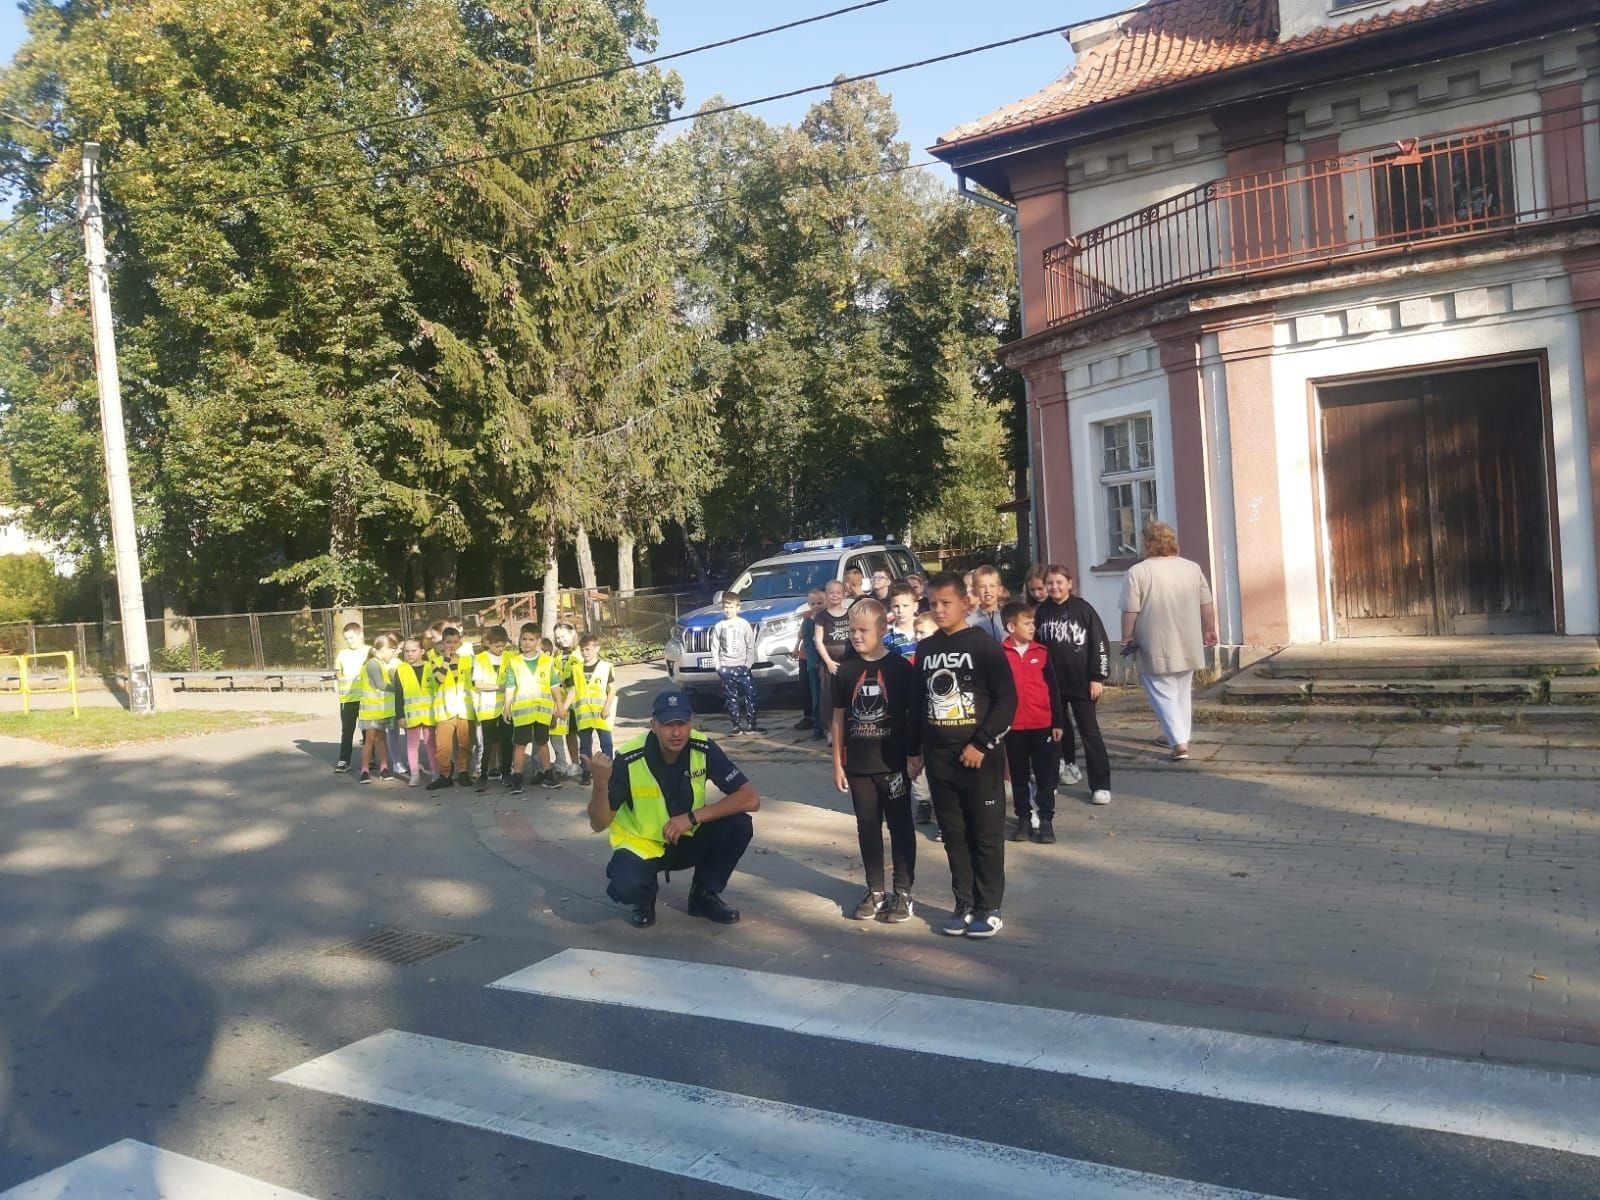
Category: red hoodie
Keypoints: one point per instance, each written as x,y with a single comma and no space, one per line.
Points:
1038,699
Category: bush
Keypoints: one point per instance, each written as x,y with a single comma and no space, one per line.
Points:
183,658
30,589
623,647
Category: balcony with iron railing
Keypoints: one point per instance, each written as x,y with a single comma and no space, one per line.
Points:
1398,198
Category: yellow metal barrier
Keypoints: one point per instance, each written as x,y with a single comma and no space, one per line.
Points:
28,687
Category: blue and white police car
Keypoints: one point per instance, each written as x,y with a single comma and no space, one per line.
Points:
773,599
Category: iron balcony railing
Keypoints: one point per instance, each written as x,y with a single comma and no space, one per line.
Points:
1457,184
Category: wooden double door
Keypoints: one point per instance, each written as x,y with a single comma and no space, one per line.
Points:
1438,517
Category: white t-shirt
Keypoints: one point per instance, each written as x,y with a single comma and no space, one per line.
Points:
1167,593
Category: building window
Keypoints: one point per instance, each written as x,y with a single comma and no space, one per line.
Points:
1456,186
1128,482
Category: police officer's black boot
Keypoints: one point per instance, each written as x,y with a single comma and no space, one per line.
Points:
711,907
642,916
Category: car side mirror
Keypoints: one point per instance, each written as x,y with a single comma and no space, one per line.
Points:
717,599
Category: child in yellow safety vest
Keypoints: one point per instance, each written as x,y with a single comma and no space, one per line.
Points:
592,688
415,700
564,732
533,697
488,678
347,667
378,706
452,735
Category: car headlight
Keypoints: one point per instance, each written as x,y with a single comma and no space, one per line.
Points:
780,627
678,632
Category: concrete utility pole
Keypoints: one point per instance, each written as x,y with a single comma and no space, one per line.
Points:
124,534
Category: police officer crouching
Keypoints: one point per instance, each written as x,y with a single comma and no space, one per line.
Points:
653,800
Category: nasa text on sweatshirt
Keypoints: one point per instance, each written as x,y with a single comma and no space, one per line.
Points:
967,689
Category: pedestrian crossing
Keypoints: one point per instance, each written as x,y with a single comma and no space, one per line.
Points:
768,1148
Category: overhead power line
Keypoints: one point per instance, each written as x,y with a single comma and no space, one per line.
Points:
499,97
596,136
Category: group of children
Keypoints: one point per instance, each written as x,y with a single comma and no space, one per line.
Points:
931,694
472,713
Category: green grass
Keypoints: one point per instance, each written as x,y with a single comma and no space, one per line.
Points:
97,728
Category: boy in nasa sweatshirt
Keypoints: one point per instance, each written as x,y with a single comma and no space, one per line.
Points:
969,699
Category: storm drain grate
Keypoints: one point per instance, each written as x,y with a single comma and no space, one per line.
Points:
403,947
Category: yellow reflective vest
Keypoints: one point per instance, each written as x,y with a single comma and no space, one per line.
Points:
636,826
449,693
566,664
530,687
347,666
416,683
586,694
487,680
377,703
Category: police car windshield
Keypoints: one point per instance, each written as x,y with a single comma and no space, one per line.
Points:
768,581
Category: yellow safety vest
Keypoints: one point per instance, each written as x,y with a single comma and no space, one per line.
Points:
486,701
570,664
636,826
449,695
377,703
531,701
417,684
347,666
588,698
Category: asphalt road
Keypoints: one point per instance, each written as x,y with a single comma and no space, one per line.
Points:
164,956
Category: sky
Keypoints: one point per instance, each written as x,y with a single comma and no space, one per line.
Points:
930,100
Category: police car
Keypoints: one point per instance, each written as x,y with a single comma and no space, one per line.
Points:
773,598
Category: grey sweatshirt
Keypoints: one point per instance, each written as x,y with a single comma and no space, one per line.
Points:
733,643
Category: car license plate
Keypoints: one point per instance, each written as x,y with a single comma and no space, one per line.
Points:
704,663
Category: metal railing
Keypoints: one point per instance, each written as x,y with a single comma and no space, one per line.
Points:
1424,190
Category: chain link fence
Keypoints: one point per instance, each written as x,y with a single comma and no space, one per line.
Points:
308,639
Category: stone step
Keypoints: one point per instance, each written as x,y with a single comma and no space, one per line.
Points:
1575,689
1570,715
1437,658
1255,687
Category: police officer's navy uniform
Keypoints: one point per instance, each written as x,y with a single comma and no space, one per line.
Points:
645,792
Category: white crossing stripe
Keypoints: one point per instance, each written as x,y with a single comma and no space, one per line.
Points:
759,1146
1510,1104
130,1170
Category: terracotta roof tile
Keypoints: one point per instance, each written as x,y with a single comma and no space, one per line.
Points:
1171,41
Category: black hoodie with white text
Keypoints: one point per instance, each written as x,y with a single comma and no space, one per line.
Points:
968,694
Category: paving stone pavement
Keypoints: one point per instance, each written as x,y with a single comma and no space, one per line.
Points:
1336,898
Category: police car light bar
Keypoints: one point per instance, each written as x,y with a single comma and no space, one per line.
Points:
833,543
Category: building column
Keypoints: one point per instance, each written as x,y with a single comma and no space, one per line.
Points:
1039,187
1246,348
1583,269
1052,463
1565,162
1190,508
1255,137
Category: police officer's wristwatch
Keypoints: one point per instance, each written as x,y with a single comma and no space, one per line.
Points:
693,820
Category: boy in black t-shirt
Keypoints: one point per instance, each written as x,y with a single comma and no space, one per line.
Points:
832,640
876,742
969,699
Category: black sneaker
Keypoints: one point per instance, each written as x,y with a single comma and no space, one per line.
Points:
385,774
924,812
1047,833
804,723
642,916
712,908
550,779
340,767
898,909
516,784
463,781
757,729
870,906
366,777
438,785
1021,832
483,784
495,776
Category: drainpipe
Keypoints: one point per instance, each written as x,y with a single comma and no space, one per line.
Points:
1010,213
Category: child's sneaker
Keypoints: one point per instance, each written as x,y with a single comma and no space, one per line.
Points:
340,767
442,782
516,784
1071,775
898,909
463,780
1102,796
1046,835
385,773
985,925
870,906
924,812
550,779
483,784
366,777
414,779
586,779
959,923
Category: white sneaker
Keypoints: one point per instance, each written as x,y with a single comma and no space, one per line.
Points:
1070,775
1100,797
